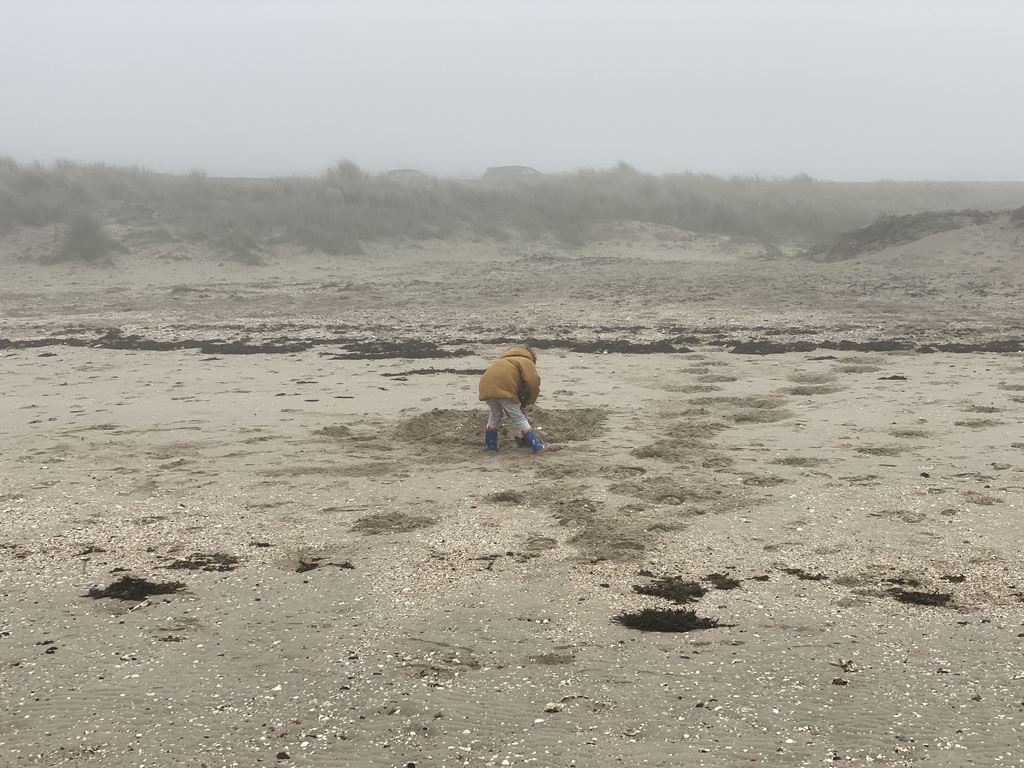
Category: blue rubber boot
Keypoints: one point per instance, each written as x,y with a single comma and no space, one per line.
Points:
491,439
530,436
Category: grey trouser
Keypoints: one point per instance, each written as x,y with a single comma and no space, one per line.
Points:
511,407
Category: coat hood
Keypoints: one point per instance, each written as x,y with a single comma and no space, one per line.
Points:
520,352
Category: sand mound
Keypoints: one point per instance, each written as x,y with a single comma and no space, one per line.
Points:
446,426
890,231
441,426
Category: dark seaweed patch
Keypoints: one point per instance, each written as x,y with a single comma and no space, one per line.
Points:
665,620
609,346
722,581
242,348
903,582
428,371
920,598
202,561
672,588
511,495
519,557
800,573
130,588
410,348
424,349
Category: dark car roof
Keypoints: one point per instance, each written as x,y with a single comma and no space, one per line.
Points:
504,171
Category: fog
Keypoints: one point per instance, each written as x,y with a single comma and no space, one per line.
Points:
895,89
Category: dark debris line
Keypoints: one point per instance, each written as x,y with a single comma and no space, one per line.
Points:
361,349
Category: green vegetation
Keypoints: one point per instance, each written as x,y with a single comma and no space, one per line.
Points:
85,240
344,208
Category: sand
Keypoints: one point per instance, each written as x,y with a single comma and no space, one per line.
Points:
829,454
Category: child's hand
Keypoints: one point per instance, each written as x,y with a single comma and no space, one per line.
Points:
527,409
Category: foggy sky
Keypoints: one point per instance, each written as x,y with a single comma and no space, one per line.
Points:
839,89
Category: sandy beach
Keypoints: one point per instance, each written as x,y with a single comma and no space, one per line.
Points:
821,458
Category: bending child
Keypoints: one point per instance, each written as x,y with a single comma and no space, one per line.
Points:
511,386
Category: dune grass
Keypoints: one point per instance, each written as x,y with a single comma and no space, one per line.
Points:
85,239
344,208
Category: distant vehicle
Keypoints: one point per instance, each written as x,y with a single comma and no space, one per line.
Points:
406,173
510,172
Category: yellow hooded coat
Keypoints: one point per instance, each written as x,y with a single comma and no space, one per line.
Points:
508,374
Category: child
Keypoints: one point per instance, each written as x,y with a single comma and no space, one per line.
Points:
511,386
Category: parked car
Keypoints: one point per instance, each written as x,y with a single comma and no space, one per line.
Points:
510,172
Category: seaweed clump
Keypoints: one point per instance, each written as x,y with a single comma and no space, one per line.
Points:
903,582
672,588
131,588
201,561
722,581
800,573
665,620
938,599
510,495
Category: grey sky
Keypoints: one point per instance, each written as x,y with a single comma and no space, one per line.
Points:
839,89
